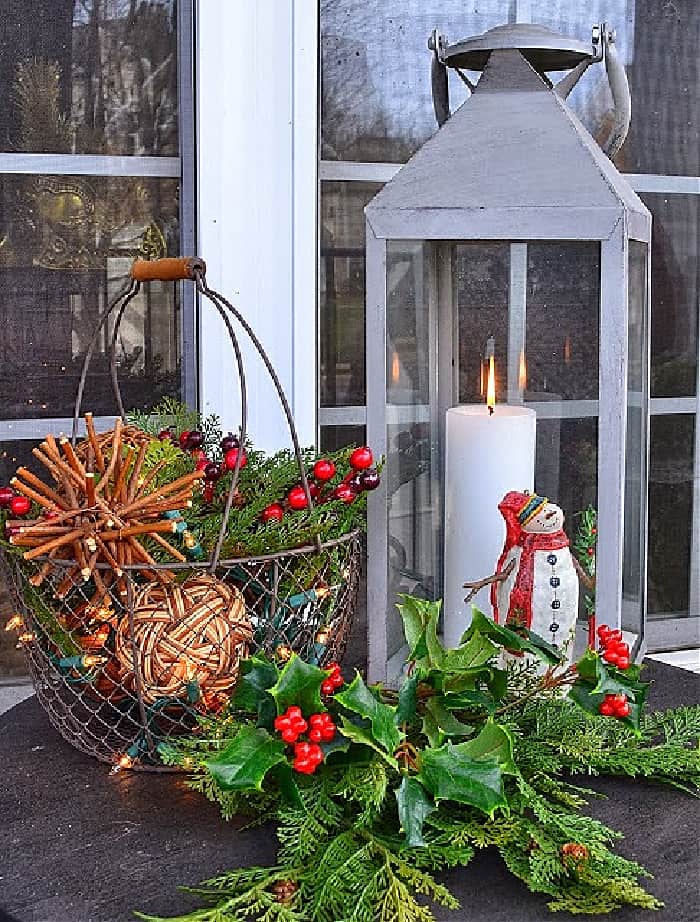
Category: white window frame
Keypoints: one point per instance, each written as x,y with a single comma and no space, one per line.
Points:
257,108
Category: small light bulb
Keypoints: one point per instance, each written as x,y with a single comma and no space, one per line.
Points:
93,659
15,623
26,637
283,652
323,636
124,761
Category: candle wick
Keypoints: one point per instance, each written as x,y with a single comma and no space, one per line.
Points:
490,411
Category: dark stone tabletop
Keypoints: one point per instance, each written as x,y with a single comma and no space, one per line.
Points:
80,845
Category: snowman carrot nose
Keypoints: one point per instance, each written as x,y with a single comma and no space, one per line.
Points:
550,514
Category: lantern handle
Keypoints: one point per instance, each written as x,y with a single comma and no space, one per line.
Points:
568,82
617,78
438,78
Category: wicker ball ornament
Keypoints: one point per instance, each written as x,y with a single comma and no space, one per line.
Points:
185,633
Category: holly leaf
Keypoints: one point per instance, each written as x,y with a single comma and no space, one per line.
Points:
365,737
286,782
299,683
436,651
360,700
256,677
445,720
476,652
450,773
243,764
414,616
522,641
469,700
408,700
414,806
493,742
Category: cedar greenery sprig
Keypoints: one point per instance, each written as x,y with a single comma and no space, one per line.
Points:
416,781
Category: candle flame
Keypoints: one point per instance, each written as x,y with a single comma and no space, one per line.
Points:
522,372
491,386
395,368
567,350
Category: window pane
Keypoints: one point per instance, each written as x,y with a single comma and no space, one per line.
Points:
68,245
335,437
89,76
670,514
376,74
342,292
674,294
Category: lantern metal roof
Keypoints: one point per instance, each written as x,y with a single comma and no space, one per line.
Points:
513,162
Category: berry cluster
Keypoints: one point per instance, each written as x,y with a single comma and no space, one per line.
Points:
334,680
18,505
308,755
613,648
614,706
363,477
192,441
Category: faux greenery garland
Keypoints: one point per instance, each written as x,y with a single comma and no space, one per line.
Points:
464,756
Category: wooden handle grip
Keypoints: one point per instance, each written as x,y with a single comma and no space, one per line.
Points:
167,270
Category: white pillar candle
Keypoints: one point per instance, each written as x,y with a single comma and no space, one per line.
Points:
486,455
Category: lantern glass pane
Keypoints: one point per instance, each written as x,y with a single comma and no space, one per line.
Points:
412,471
635,445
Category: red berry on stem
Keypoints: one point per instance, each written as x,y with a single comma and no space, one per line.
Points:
195,439
184,436
272,513
290,736
232,457
345,493
229,441
313,490
327,687
623,710
212,471
20,505
606,709
282,722
293,711
369,480
297,498
202,465
165,435
324,469
315,735
623,662
361,458
7,494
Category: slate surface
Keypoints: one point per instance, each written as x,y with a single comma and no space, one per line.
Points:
79,845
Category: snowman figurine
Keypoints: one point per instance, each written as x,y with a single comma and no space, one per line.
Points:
536,583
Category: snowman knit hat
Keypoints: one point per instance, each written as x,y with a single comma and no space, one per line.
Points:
518,508
531,507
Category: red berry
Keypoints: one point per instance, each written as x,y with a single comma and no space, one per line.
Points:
369,480
361,458
302,750
184,436
195,439
232,457
345,493
315,752
614,636
315,735
282,722
299,725
290,736
332,668
328,687
623,662
212,471
314,491
324,469
606,709
304,766
316,720
297,498
611,656
272,513
590,551
165,435
328,732
229,441
603,630
294,711
623,710
208,491
203,464
7,494
20,505
617,700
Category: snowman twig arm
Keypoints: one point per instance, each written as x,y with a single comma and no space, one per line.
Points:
478,584
588,581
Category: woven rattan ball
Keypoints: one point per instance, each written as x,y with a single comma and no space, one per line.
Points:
185,633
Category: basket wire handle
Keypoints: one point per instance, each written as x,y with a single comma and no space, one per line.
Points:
218,300
125,295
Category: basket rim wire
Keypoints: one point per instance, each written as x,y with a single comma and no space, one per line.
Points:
78,719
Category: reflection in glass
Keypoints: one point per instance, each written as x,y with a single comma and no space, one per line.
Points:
89,76
336,437
376,99
635,443
674,288
342,292
67,244
670,514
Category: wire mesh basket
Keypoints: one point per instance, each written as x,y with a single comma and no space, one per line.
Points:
126,651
